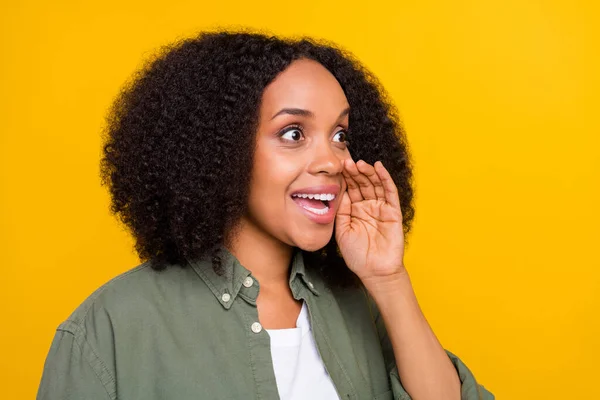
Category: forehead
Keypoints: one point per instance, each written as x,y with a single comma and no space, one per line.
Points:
304,84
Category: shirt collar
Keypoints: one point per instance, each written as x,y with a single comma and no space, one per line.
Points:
227,286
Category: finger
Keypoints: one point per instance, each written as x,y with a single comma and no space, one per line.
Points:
391,191
353,188
369,172
366,188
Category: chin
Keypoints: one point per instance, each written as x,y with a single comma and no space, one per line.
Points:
314,242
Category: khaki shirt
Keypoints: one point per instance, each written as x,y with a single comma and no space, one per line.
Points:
188,333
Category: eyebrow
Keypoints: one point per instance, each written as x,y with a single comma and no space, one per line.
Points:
305,113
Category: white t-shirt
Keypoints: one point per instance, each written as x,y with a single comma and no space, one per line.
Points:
299,370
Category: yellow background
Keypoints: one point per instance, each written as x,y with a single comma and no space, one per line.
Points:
500,102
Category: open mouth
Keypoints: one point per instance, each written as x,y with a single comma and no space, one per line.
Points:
316,203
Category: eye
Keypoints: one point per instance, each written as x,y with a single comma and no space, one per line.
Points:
341,135
291,133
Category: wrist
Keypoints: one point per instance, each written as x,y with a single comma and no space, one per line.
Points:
386,282
388,286
395,297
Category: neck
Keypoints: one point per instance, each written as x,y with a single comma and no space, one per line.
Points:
266,257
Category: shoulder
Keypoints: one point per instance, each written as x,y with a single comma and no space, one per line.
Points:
131,295
118,286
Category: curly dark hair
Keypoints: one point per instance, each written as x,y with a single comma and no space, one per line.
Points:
179,180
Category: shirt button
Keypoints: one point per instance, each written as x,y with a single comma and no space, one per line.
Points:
226,297
310,285
248,282
256,327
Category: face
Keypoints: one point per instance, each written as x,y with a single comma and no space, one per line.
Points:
297,178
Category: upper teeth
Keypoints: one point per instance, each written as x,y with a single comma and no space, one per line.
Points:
321,196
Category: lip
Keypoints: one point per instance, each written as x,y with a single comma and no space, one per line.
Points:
330,215
333,189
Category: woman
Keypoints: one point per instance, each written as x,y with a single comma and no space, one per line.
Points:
273,262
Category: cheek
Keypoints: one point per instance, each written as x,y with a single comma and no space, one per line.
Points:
268,206
275,172
272,178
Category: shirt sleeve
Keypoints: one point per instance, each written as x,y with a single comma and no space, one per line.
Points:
470,388
73,371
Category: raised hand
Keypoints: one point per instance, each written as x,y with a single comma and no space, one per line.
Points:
369,222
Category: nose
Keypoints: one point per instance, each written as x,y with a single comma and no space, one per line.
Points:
326,159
